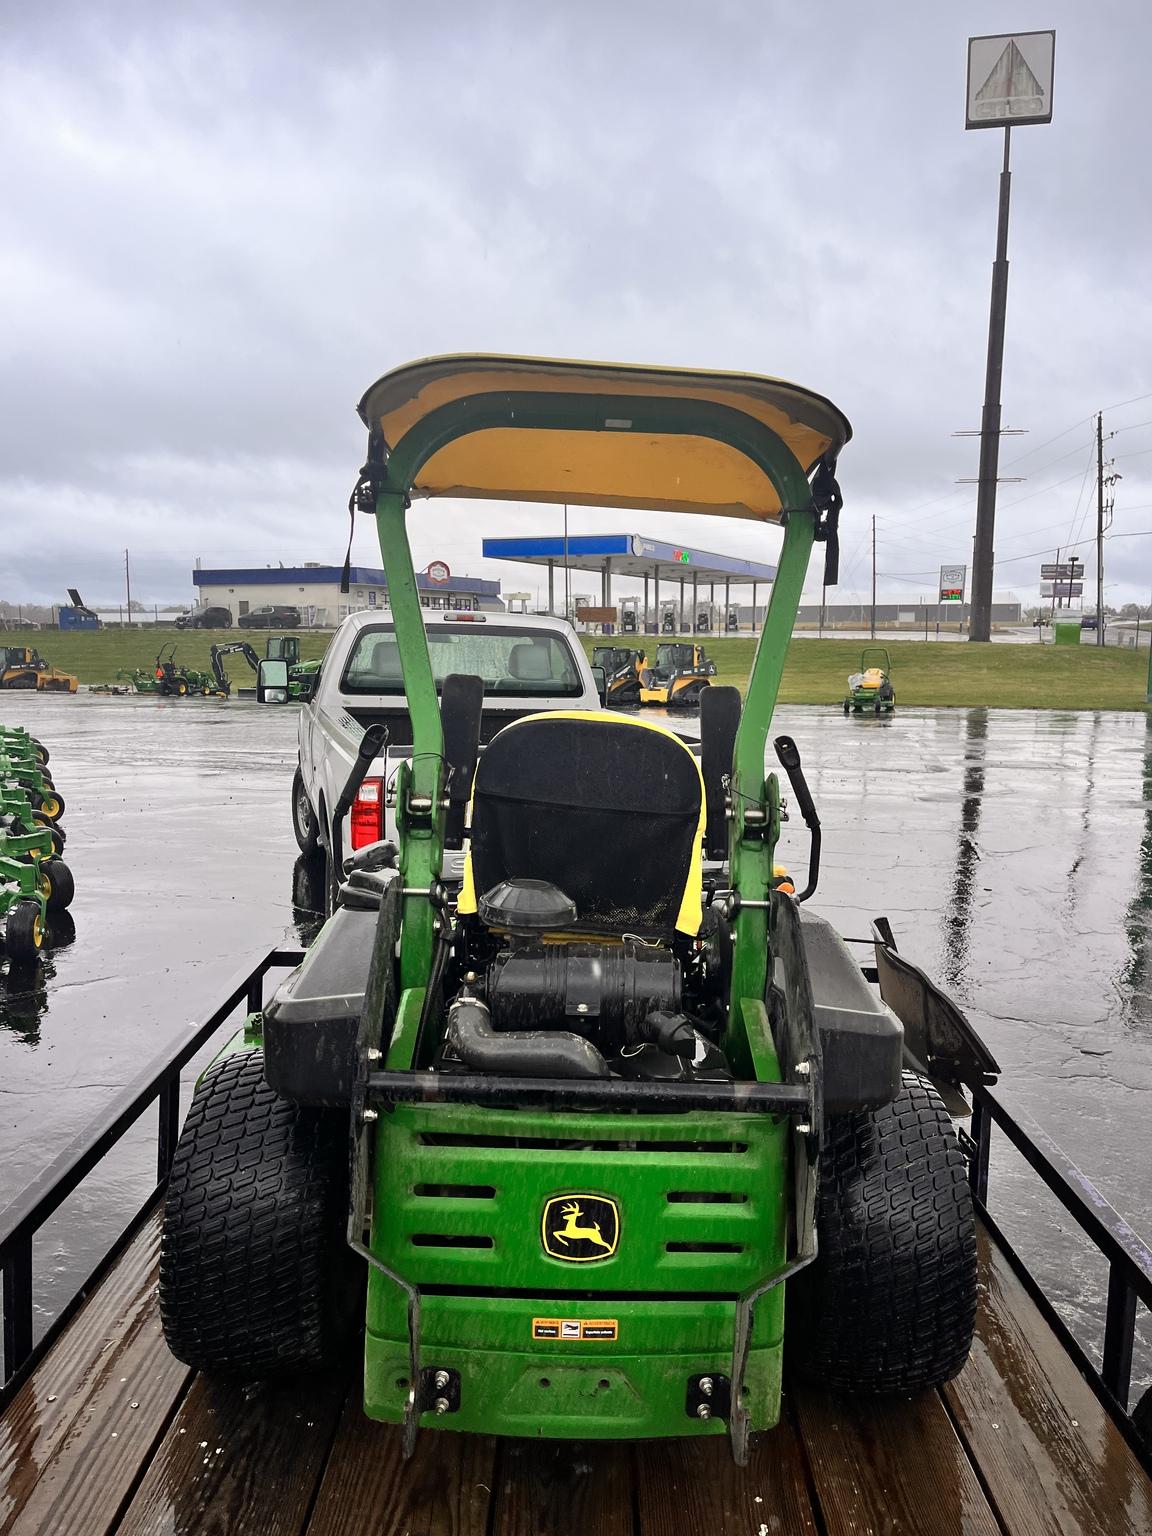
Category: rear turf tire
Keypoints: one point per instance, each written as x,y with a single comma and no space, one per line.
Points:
256,1278
890,1304
304,823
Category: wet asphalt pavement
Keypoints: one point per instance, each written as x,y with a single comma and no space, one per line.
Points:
1011,850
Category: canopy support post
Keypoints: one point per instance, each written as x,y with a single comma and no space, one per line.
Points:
419,790
695,600
655,605
681,605
753,607
552,588
642,627
724,626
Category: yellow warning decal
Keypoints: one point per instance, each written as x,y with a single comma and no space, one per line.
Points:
574,1328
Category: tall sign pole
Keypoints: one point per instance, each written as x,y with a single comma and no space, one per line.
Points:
1009,83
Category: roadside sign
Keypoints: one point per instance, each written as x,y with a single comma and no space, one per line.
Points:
952,580
1067,570
1061,589
438,572
1010,79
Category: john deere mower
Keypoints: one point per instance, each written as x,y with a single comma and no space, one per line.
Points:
622,671
871,688
681,674
621,1141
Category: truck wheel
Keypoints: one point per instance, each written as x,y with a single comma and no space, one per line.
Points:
304,824
890,1304
255,1276
61,886
24,932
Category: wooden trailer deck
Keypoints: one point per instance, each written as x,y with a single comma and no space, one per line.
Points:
110,1434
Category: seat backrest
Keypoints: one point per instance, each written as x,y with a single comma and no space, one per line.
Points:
609,809
529,662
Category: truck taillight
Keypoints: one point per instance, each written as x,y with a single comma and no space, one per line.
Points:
368,813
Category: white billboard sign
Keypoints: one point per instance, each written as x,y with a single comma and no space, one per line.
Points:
1010,79
1062,589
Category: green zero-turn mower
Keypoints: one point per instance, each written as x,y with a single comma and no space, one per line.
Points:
617,1141
871,688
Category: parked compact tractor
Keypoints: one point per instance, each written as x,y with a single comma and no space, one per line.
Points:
871,688
622,669
175,682
286,648
681,674
623,1142
21,666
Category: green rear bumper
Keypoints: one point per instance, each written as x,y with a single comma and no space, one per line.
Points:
460,1206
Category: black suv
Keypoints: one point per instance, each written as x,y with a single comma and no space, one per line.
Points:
206,618
270,618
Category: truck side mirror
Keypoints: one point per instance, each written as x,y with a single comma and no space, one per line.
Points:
600,678
272,682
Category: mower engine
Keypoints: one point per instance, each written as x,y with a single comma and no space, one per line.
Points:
542,1004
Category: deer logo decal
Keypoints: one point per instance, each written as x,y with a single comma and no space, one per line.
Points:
580,1228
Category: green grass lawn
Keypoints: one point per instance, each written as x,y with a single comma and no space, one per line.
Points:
931,672
816,671
95,655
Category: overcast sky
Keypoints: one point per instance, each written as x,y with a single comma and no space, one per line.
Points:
221,222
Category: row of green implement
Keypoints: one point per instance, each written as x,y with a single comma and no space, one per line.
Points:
34,879
174,680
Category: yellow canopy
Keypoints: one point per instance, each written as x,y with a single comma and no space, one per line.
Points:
616,465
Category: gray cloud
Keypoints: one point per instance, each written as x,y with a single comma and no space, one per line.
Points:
222,224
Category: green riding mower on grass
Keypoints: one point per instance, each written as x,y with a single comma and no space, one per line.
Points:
615,1130
871,689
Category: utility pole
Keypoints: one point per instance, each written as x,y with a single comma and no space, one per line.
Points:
1103,522
873,576
980,622
128,585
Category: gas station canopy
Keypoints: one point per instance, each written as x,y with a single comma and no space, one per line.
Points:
627,554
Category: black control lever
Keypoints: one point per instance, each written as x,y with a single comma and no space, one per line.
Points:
789,755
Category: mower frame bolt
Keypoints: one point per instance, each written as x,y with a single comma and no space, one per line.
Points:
374,1054
703,1411
705,1385
804,1128
441,1380
803,1069
369,1116
441,1405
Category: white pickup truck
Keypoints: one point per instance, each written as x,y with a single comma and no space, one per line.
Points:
527,663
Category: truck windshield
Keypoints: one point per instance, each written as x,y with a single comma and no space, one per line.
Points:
514,662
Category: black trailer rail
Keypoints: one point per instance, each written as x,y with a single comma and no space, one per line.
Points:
1129,1258
158,1084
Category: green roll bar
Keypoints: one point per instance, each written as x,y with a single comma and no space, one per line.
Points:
388,479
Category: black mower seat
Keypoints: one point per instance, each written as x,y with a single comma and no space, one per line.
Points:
608,809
